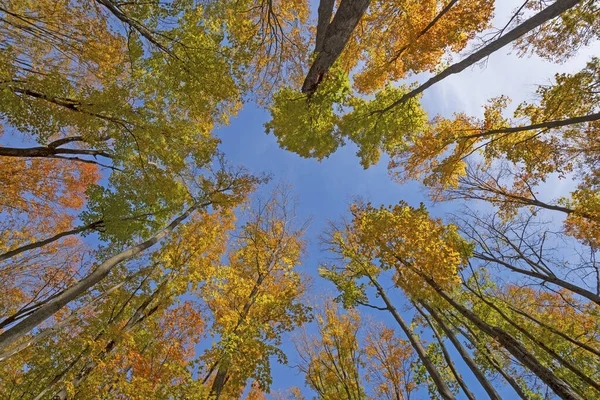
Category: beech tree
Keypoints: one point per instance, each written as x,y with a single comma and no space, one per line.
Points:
134,264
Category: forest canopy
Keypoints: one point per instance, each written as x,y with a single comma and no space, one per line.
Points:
141,258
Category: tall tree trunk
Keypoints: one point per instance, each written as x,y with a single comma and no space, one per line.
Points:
44,242
584,378
136,25
490,357
434,21
416,344
446,354
542,125
336,37
540,18
485,383
546,278
11,335
325,11
520,352
48,152
141,313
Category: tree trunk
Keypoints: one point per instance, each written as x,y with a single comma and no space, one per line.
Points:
546,278
336,37
41,243
426,29
136,25
325,12
485,383
513,346
48,152
446,355
429,365
11,335
540,18
584,378
541,125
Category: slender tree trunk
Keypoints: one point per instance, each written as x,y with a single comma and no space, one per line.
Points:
16,332
434,21
533,127
540,18
584,378
44,242
485,383
141,313
222,377
65,322
576,342
489,356
446,355
336,37
513,346
546,278
136,25
416,344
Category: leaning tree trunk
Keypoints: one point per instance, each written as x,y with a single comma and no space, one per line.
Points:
538,19
11,335
446,354
416,344
514,347
485,383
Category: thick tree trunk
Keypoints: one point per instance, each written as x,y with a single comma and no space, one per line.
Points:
540,18
336,37
48,152
416,344
325,12
11,335
485,383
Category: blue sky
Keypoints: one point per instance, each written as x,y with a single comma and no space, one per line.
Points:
325,189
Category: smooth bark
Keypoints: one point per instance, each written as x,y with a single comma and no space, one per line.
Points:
538,19
416,344
446,354
485,383
16,332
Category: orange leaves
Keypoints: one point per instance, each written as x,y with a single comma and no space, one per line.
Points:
37,31
407,36
389,363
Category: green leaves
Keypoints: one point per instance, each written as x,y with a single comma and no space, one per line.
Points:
314,127
307,126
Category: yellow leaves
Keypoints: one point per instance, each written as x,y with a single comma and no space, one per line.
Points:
410,242
559,39
389,361
331,359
